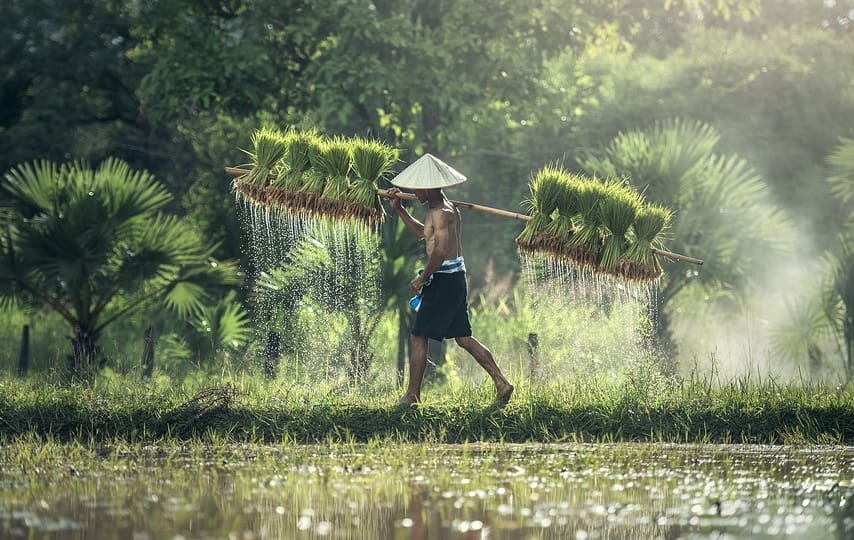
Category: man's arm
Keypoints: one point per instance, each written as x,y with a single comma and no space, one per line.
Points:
414,226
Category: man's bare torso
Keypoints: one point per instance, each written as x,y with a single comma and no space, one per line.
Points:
443,223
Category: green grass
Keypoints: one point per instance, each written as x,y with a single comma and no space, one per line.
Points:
645,407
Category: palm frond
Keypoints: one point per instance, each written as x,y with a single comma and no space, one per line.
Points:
127,193
36,186
186,299
841,178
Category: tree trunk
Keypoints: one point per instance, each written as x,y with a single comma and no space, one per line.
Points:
84,349
660,339
148,353
360,359
272,355
24,356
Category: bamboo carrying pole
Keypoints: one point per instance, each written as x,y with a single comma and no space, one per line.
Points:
237,172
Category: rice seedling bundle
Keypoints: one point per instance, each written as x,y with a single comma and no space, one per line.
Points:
617,210
585,243
335,163
640,262
307,198
288,187
545,187
557,233
372,160
268,150
297,159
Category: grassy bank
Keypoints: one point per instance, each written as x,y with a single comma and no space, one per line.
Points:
249,409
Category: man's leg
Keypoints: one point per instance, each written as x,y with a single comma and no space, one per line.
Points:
417,365
484,357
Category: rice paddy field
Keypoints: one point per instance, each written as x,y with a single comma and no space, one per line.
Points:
423,491
247,459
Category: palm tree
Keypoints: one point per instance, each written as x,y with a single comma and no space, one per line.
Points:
840,285
722,209
94,246
822,324
840,290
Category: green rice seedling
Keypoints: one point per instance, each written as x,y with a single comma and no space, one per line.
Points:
268,149
640,261
314,179
372,160
617,211
335,162
292,173
545,187
298,158
556,234
585,243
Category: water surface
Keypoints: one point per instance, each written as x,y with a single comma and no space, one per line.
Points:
379,491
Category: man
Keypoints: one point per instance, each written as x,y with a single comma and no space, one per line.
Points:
443,311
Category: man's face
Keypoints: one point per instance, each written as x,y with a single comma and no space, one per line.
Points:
422,195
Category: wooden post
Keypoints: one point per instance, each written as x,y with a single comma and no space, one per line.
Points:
24,356
534,354
402,346
272,355
436,356
148,353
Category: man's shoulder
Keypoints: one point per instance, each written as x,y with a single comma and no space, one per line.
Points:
443,211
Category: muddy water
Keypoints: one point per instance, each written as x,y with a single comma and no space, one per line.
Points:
434,492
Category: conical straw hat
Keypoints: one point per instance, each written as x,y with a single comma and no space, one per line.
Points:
428,172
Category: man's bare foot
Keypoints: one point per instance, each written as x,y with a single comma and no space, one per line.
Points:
408,399
503,393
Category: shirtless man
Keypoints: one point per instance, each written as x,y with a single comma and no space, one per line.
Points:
443,312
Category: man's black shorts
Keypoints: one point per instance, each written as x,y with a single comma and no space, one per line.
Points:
444,311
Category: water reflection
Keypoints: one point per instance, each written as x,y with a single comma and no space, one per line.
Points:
423,493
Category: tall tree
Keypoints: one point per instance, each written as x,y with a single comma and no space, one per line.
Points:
93,245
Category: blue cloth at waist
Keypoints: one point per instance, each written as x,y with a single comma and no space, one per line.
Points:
452,266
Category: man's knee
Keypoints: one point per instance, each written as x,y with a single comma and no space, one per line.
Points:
464,341
418,341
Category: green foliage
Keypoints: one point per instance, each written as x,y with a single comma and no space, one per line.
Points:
93,246
175,87
841,179
545,193
331,286
840,298
776,97
214,337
